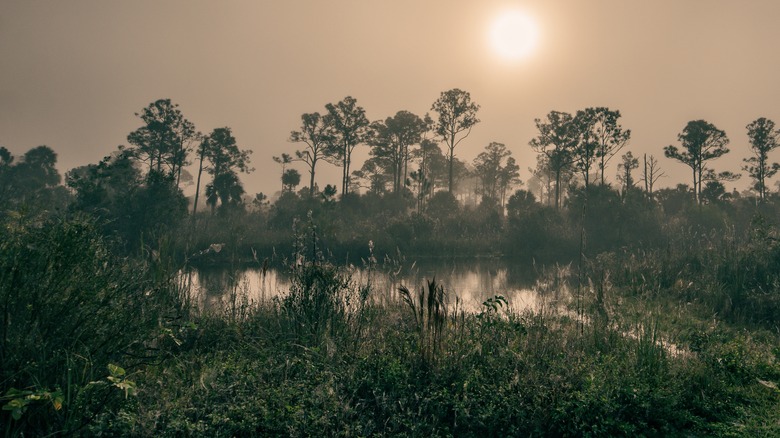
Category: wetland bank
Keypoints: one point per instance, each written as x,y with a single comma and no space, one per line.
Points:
410,309
332,352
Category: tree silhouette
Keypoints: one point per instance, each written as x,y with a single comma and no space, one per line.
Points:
130,206
557,140
651,173
763,138
6,159
701,142
347,128
284,160
314,134
583,154
390,141
224,158
33,180
457,115
37,169
496,170
165,138
627,165
602,137
225,187
290,179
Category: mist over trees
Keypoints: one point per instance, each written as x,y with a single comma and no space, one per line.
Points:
137,191
556,142
92,271
396,197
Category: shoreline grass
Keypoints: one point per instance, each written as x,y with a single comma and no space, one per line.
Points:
327,360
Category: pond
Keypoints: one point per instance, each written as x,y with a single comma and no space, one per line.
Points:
472,280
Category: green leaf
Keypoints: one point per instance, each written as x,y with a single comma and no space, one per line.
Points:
116,370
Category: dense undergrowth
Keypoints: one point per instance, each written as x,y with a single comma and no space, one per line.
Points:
75,321
678,341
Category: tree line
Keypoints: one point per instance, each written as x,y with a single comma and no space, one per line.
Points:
572,150
136,191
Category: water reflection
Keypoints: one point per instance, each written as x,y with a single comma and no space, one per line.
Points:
473,281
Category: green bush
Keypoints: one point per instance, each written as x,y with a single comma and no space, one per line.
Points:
71,310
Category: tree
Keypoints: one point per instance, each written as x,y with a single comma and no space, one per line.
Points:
628,164
33,180
165,138
713,192
557,139
227,188
457,115
101,188
601,136
284,160
541,180
37,169
520,203
134,208
675,200
701,142
583,154
314,134
496,170
6,159
651,173
431,170
432,164
220,150
763,138
372,176
290,180
508,178
260,202
390,141
347,128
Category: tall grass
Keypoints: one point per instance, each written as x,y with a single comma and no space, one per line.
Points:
430,310
327,360
71,312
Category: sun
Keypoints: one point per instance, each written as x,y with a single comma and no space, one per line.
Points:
513,35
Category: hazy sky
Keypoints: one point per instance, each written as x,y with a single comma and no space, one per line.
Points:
73,73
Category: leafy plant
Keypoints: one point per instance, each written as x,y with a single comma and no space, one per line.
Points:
17,401
118,378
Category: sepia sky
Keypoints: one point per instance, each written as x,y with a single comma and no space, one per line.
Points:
73,73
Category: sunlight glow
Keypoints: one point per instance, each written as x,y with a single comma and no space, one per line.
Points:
513,35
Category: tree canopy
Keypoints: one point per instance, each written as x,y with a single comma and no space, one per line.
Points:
701,142
457,115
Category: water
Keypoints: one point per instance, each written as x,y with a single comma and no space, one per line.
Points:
473,281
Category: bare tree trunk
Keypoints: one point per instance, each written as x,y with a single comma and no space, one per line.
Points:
452,159
197,187
311,180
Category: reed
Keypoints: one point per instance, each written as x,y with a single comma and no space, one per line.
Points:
430,311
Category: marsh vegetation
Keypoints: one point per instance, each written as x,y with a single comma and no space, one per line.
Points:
657,312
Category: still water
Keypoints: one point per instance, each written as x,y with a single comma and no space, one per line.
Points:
471,280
